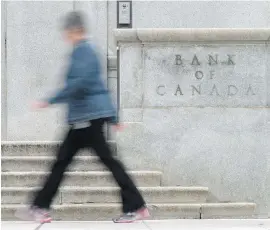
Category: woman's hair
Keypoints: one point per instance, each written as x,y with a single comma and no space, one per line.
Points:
74,20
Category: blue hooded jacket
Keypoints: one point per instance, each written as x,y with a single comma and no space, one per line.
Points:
85,93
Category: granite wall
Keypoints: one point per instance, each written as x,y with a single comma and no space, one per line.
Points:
35,54
196,106
193,14
34,61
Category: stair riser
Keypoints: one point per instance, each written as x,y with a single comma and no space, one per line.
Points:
77,180
22,197
109,196
99,213
41,166
214,211
107,213
42,150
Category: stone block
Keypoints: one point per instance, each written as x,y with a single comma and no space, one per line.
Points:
131,147
237,210
205,75
112,63
21,196
34,59
151,195
84,195
132,115
213,129
200,14
31,13
267,76
43,163
95,179
98,212
112,24
131,79
223,144
34,148
112,86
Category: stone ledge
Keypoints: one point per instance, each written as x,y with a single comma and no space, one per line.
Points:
104,211
41,148
35,143
112,62
191,34
84,195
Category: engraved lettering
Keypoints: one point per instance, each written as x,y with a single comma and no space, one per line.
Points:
230,60
214,89
212,60
198,90
178,90
199,75
159,91
250,90
178,60
195,61
232,90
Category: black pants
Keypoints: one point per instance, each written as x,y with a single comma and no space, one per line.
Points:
88,137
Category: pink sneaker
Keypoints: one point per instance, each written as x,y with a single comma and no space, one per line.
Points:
34,214
131,217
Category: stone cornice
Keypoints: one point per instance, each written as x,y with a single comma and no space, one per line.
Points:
191,34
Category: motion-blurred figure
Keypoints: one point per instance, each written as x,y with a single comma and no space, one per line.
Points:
89,108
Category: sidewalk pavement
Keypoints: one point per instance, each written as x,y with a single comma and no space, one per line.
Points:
255,224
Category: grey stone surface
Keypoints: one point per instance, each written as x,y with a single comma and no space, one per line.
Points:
112,63
220,224
3,72
11,225
224,145
21,196
220,142
201,14
100,212
167,83
29,13
192,224
100,225
35,54
191,35
151,195
83,195
267,70
37,164
112,24
192,14
132,115
94,179
30,59
203,224
9,148
112,86
131,79
238,210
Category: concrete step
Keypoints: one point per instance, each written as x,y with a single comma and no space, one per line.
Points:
93,179
33,148
42,163
83,195
99,212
